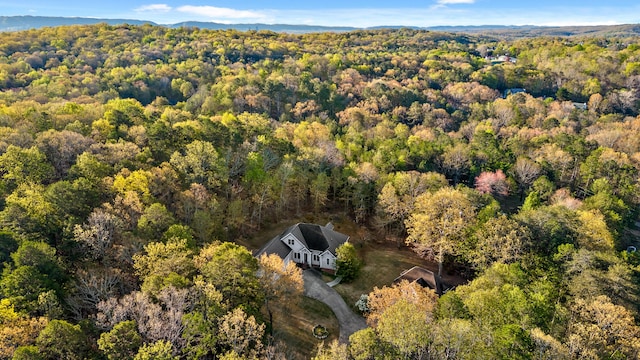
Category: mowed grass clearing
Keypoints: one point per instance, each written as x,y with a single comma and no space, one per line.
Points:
293,325
383,263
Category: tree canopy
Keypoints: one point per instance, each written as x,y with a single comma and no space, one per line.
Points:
136,162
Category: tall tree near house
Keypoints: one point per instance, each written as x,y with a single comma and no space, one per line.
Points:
397,197
279,281
201,324
255,178
380,299
334,351
164,265
438,223
401,317
348,262
406,328
201,163
319,190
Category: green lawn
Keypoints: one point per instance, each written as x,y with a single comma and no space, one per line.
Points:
293,325
382,265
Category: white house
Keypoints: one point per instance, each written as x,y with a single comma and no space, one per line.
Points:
309,245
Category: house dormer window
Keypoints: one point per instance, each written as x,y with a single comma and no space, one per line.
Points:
291,242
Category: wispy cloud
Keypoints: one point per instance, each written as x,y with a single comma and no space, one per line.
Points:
453,2
443,12
154,8
219,13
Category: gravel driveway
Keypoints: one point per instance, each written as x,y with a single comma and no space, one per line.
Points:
315,288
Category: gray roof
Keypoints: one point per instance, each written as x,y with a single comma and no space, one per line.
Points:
274,246
424,277
319,238
314,237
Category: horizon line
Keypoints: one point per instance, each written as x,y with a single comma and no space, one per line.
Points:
321,25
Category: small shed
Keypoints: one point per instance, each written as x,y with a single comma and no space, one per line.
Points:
422,276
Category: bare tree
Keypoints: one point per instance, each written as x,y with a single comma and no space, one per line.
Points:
98,234
62,148
456,162
161,320
91,287
526,172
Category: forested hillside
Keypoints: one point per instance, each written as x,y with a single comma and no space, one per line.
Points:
135,160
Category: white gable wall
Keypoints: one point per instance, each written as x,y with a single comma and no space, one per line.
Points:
291,241
288,258
323,259
328,261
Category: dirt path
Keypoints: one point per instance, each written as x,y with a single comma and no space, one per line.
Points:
315,288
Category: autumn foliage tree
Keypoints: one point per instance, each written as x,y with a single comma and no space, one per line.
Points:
438,224
279,282
602,329
380,299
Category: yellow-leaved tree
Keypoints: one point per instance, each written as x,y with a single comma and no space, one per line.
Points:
279,281
438,223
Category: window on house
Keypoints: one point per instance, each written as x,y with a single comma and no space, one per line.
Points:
327,261
291,242
296,256
316,258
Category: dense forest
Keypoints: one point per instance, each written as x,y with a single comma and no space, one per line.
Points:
135,159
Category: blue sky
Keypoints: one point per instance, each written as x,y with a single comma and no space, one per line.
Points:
358,13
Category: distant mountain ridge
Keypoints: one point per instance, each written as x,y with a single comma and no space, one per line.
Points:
271,27
26,22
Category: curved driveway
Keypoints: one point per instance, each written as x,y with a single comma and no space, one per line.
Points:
315,288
